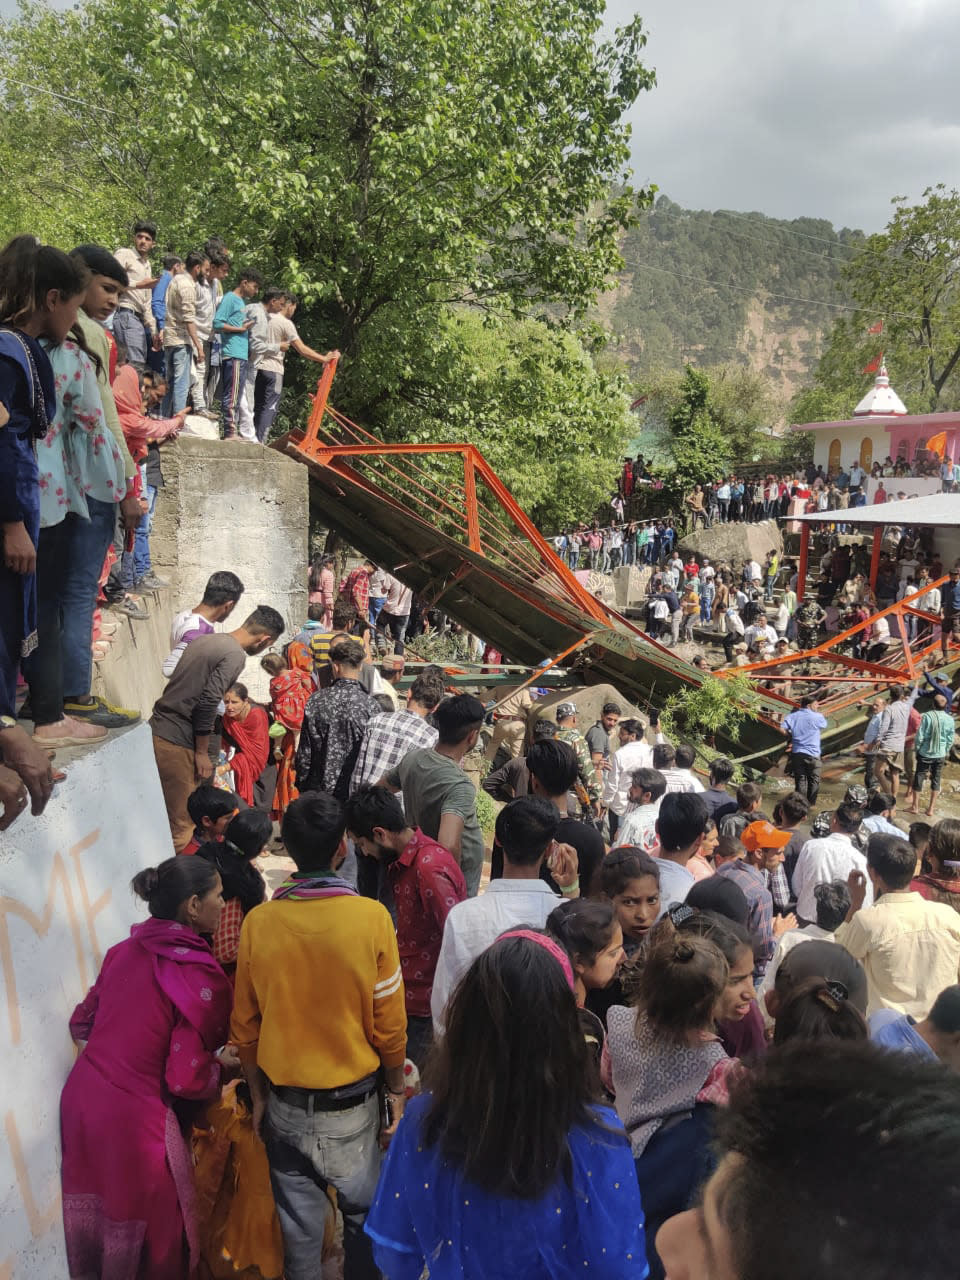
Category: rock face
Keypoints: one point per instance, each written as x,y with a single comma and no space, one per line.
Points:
734,542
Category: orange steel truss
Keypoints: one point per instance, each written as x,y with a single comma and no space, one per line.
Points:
516,543
860,674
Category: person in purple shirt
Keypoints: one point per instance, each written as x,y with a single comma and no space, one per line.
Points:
937,1036
803,729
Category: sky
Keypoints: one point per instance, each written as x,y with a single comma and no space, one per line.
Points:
817,108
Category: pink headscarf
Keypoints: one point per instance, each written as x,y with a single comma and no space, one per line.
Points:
549,945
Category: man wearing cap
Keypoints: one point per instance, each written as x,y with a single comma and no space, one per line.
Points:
803,728
764,845
586,772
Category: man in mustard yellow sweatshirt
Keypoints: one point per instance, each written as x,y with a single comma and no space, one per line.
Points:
319,1021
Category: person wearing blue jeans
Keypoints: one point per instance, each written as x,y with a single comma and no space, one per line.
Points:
70,557
181,341
232,324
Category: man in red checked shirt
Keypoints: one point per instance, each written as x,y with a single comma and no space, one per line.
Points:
355,587
426,884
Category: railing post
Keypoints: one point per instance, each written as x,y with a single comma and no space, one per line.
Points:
470,487
320,400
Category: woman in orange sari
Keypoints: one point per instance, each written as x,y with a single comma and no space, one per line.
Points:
247,729
290,687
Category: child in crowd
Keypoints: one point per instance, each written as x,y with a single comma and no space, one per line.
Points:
630,882
749,796
245,837
210,809
592,937
666,1067
739,1021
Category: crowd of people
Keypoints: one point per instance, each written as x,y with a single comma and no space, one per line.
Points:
602,547
102,355
573,1051
665,1032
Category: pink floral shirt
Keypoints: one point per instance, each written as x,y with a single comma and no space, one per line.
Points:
78,458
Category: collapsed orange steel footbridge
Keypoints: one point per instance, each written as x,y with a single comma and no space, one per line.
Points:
441,518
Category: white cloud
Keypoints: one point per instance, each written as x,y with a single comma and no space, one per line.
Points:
826,109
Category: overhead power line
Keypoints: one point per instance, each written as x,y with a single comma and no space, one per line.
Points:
753,289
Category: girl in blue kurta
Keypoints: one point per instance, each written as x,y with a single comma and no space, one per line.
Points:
40,293
508,1168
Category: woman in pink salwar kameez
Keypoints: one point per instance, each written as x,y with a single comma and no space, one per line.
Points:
149,1030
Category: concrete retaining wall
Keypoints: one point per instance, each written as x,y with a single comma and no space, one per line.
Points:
228,505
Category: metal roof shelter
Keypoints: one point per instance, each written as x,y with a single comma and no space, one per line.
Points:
935,509
938,510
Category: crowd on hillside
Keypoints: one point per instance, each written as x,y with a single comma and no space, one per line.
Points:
603,547
679,1026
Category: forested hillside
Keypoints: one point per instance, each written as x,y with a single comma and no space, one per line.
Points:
713,287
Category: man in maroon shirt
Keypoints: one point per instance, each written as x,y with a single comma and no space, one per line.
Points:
426,883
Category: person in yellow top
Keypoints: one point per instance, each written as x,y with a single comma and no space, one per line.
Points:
319,1018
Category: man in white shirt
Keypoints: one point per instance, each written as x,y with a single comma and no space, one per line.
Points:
760,630
856,476
220,597
676,766
752,573
395,613
909,947
833,857
526,831
281,334
681,824
639,825
633,753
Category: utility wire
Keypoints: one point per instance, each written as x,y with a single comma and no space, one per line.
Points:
753,290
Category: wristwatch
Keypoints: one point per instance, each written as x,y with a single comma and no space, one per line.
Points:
7,722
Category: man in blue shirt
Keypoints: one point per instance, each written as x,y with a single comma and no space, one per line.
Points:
803,729
937,1036
232,324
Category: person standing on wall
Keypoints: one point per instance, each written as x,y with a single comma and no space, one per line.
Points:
181,339
233,324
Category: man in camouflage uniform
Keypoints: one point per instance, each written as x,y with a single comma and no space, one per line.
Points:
588,779
808,618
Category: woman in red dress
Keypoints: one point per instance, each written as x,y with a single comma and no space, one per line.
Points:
290,687
246,729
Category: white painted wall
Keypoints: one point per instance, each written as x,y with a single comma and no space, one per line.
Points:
65,898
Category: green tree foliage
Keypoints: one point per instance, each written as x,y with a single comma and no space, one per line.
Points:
701,422
906,276
531,400
701,451
388,162
714,709
693,278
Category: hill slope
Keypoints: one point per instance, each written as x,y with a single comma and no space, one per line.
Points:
710,287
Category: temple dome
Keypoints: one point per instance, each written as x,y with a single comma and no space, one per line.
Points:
881,401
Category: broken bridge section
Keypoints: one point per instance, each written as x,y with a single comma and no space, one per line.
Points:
440,517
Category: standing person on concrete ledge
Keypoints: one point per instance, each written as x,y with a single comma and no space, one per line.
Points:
184,714
282,334
233,324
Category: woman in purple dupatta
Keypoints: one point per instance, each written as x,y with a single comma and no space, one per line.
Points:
149,1030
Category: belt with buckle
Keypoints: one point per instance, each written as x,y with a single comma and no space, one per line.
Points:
339,1099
